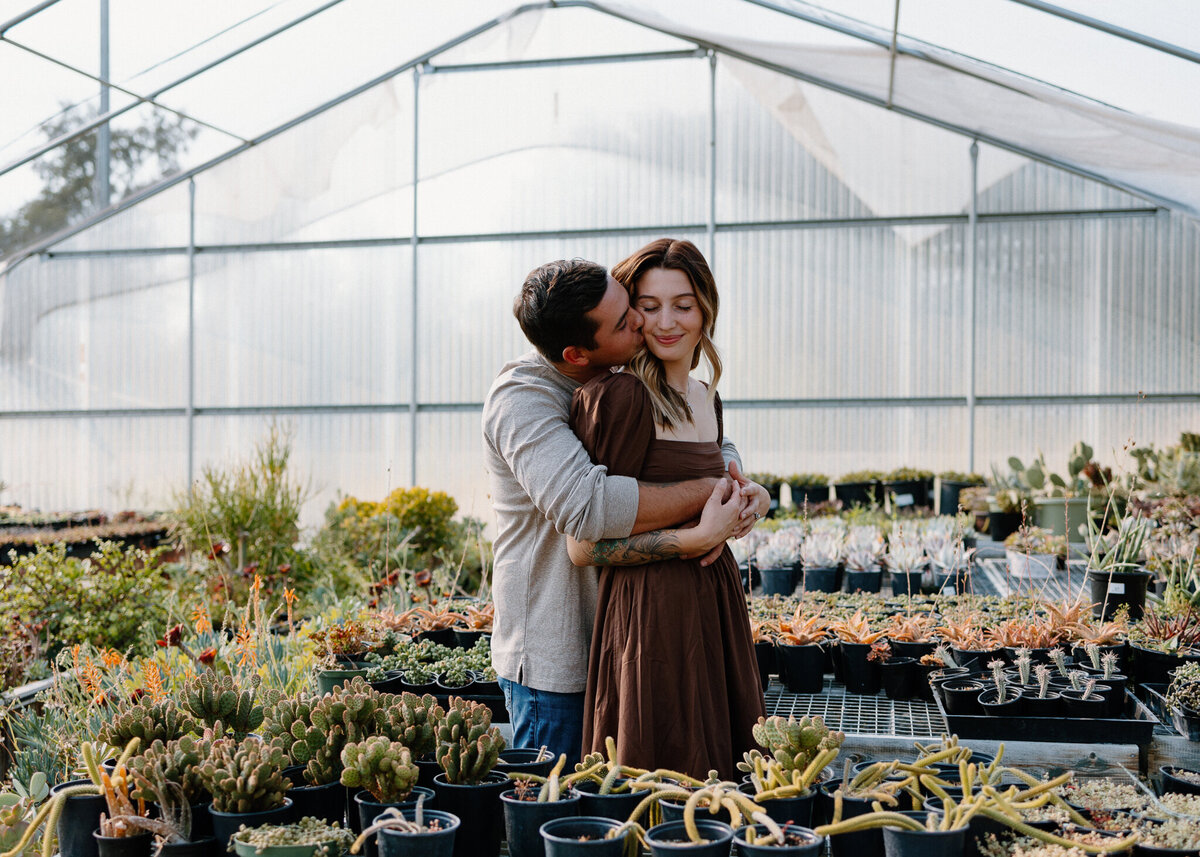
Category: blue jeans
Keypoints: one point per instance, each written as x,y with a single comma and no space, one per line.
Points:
542,717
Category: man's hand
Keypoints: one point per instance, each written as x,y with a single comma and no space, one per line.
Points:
758,502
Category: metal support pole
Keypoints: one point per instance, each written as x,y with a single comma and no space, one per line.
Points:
414,324
103,193
191,336
892,55
712,157
972,271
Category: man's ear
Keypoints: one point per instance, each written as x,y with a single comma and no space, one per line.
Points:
575,356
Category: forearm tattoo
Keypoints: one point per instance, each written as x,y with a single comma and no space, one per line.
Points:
636,550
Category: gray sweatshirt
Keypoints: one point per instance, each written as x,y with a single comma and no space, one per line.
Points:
544,485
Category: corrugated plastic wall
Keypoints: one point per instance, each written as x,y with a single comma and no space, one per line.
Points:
809,313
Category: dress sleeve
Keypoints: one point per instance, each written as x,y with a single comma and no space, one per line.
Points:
612,417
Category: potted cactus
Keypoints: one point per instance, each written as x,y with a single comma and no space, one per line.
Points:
308,837
859,488
800,650
219,703
906,561
775,560
1032,552
950,485
798,751
468,747
148,721
381,774
907,488
417,832
821,557
863,552
527,806
808,489
168,774
247,784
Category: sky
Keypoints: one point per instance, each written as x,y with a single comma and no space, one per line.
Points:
152,43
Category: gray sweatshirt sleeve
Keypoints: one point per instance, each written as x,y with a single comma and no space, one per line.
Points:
527,427
729,453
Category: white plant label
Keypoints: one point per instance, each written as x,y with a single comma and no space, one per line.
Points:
903,500
1116,589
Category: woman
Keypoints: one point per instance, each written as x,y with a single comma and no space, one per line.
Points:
671,675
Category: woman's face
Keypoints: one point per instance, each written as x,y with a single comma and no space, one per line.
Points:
673,321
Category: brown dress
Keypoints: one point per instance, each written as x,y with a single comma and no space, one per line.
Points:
671,675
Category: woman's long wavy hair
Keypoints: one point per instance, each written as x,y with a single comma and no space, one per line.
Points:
669,406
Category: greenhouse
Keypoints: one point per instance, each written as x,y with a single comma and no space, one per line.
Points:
258,265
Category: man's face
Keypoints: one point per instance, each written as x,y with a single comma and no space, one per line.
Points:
618,330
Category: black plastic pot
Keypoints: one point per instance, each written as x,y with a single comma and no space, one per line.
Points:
858,493
898,842
907,583
909,494
961,696
123,846
1150,666
1110,590
225,824
956,582
419,688
392,683
862,581
427,769
899,678
1012,706
810,494
1073,705
801,667
445,689
327,801
1172,784
1037,706
1140,849
764,657
478,808
778,581
582,837
438,843
80,816
924,688
860,675
615,806
523,820
670,838
442,636
807,843
465,638
196,848
786,810
858,844
330,680
974,659
948,491
821,579
916,651
1001,525
367,809
524,760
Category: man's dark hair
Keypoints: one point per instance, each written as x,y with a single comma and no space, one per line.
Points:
553,305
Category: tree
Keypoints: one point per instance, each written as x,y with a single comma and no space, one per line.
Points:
140,156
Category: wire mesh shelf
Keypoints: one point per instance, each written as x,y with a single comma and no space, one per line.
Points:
857,714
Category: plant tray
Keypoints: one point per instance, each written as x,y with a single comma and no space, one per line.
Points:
1136,727
1156,699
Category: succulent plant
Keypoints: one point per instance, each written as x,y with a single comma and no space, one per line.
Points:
794,743
412,721
333,838
175,761
219,703
468,746
246,777
382,767
152,721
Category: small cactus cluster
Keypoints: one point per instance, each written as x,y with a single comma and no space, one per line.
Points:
468,746
175,761
795,743
331,838
382,767
149,721
423,661
246,777
218,703
412,721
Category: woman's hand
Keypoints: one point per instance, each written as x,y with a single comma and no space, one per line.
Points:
721,518
758,501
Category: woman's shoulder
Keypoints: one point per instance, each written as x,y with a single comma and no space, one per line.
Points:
620,386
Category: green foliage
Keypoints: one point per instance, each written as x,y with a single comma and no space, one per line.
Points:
958,476
217,701
382,767
468,745
176,761
289,725
68,172
246,516
149,722
412,720
808,480
907,474
107,599
856,476
245,777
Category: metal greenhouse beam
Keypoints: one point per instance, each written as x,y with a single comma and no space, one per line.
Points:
1111,29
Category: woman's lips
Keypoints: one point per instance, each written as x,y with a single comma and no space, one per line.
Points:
667,340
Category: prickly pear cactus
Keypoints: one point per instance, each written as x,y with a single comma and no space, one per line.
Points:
219,703
176,761
154,721
382,767
412,721
246,777
467,748
795,743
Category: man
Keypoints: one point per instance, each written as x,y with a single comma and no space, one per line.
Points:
544,486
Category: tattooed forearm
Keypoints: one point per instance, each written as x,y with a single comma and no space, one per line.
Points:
636,550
